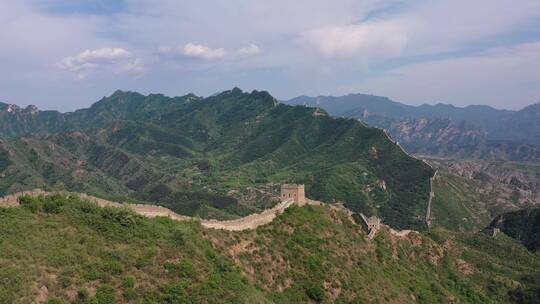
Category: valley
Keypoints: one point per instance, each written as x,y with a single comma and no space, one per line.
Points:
470,193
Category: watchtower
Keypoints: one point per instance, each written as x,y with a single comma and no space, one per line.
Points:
294,192
373,223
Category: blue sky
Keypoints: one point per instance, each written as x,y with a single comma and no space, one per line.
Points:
66,54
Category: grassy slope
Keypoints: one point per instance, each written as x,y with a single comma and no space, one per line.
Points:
314,248
457,205
308,254
76,249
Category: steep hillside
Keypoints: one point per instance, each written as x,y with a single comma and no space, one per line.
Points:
307,255
96,255
522,225
200,156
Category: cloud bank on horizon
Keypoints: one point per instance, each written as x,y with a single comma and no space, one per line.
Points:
62,54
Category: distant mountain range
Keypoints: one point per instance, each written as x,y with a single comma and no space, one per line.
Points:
199,156
444,130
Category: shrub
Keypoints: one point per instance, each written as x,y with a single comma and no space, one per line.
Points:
315,292
113,267
64,281
122,216
105,294
34,204
83,295
52,206
177,293
128,282
129,294
179,236
183,269
10,284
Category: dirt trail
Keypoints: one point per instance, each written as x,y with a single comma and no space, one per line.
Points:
249,222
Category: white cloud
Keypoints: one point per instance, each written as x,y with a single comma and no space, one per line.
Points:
323,47
439,26
135,65
249,50
92,58
201,51
236,20
424,27
191,50
119,59
384,38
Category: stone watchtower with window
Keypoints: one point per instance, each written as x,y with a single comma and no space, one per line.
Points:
294,192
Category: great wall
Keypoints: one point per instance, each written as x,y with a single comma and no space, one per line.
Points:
249,222
290,194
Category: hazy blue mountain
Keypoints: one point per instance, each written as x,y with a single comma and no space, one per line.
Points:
521,126
443,129
355,104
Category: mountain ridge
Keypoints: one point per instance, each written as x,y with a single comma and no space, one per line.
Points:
187,153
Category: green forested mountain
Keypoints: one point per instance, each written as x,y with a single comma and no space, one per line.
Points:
189,153
15,121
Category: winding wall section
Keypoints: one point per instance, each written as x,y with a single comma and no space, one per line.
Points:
245,223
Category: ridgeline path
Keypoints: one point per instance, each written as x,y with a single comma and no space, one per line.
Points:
245,223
